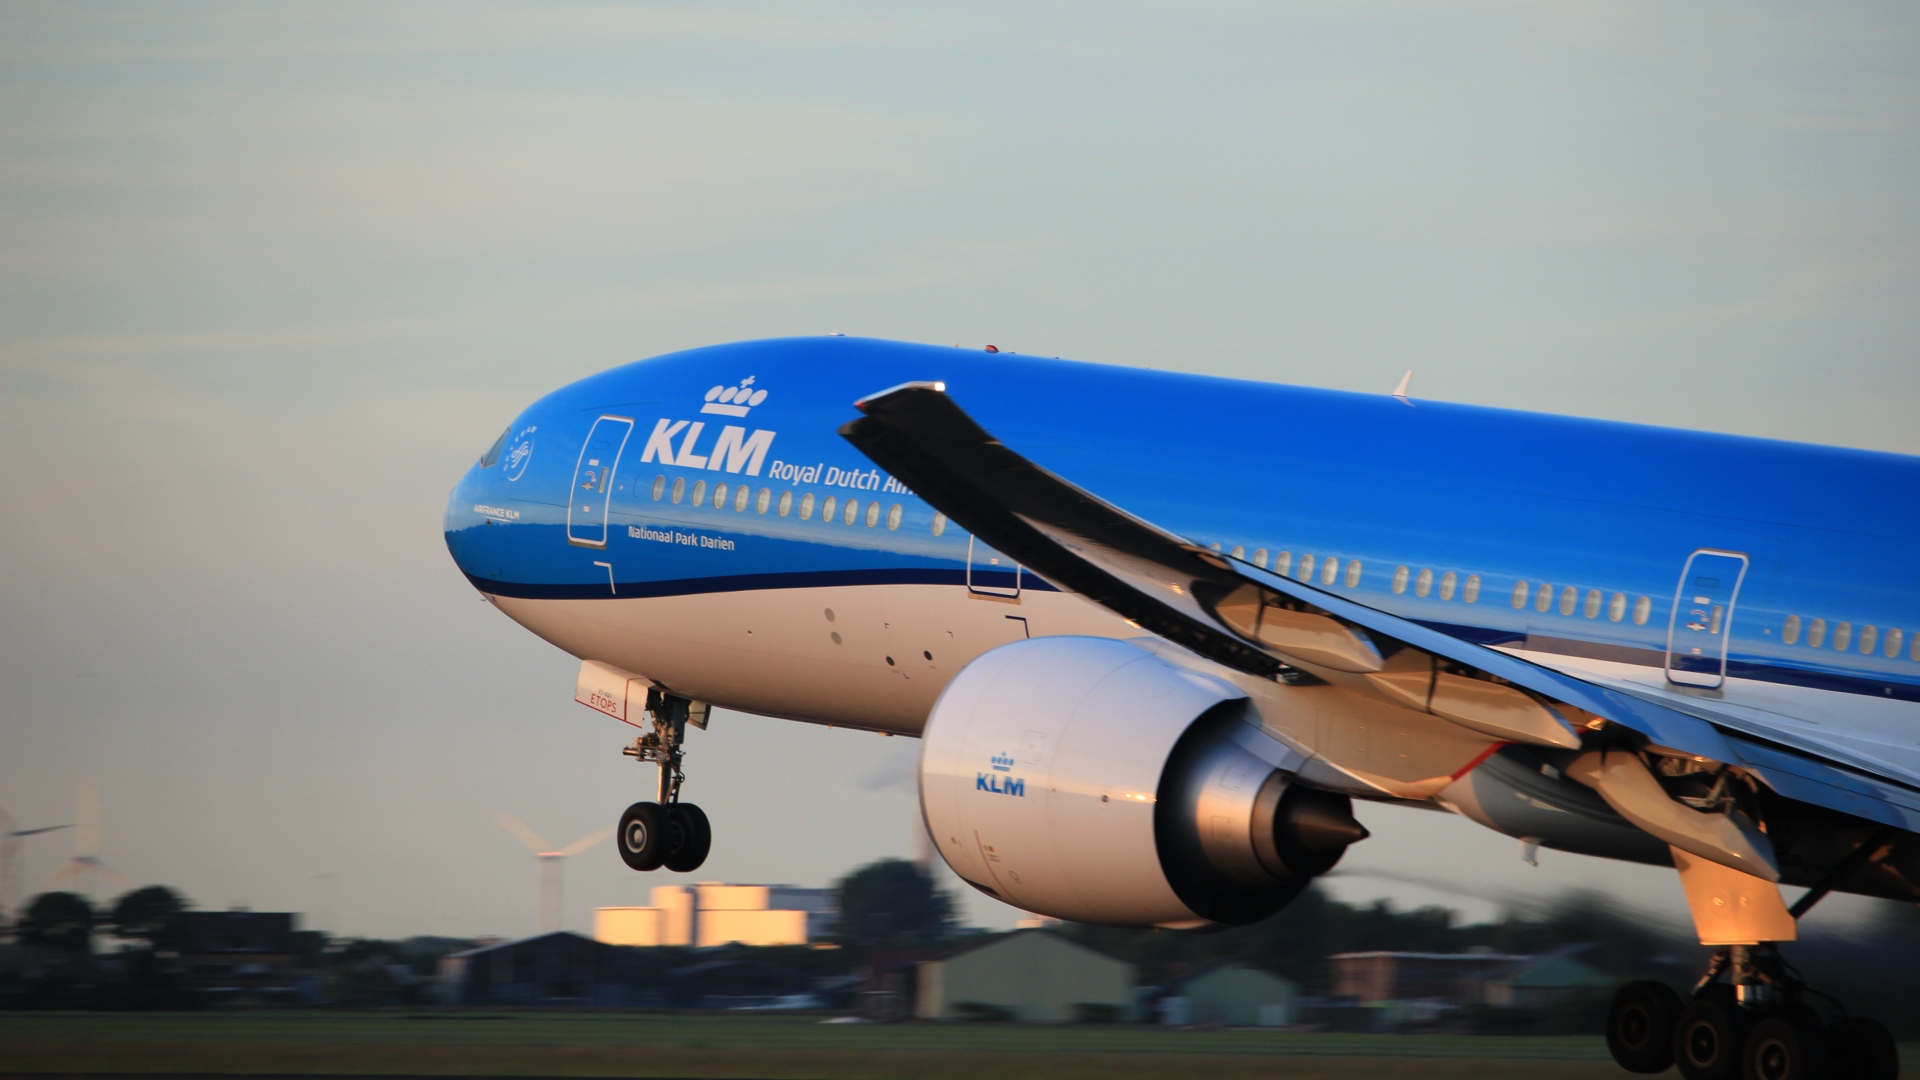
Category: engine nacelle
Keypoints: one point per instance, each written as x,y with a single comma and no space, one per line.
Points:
1087,779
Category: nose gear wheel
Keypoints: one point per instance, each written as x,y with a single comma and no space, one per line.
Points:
667,833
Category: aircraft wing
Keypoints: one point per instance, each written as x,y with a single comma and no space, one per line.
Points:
1270,626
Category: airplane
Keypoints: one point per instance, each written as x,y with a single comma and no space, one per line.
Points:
1157,632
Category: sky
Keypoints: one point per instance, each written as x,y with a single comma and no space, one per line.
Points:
272,276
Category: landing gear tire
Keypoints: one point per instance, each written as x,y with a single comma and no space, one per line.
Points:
1710,1036
1640,1026
1789,1045
1864,1050
646,836
695,838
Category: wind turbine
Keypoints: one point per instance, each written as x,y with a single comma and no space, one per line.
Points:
86,864
551,864
10,836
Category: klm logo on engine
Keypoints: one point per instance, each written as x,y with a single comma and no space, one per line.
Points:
733,449
1000,785
1002,762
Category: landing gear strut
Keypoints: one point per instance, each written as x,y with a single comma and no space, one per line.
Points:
668,832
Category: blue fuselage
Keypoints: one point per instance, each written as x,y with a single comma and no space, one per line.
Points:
1748,558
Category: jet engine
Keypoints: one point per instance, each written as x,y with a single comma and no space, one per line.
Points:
1088,779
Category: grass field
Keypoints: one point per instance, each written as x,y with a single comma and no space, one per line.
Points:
772,1047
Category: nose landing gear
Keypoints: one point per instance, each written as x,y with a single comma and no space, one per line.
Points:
667,833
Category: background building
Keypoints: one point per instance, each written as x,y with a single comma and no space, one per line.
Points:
1538,982
1231,995
553,969
256,956
1371,977
713,913
1026,975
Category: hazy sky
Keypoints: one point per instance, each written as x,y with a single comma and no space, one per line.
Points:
272,276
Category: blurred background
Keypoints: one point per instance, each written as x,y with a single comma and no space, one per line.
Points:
271,276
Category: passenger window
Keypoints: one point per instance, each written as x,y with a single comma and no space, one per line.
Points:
740,498
719,496
806,507
1400,576
1543,599
1423,584
765,500
659,487
786,503
1642,611
1240,553
1593,603
1329,570
1520,592
827,507
853,511
1893,643
679,489
1913,652
1842,636
1869,637
1306,567
1617,607
873,514
699,493
939,524
893,517
1448,582
1471,592
1260,558
1817,634
1569,597
1790,633
1283,563
1353,573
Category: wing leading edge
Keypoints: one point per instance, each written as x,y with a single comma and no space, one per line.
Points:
1274,627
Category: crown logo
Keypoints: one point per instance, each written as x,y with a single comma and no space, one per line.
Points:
733,400
1003,762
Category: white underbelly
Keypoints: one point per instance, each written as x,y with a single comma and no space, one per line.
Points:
878,662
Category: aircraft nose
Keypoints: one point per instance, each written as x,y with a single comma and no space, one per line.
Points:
470,507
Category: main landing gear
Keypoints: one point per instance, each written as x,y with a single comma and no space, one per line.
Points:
666,833
1750,1017
1756,1025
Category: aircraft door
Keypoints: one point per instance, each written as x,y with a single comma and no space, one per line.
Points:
1702,617
593,481
990,573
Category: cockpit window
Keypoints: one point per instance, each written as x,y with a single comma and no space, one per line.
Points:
493,452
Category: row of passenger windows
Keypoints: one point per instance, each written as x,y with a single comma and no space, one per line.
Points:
1589,606
1331,569
1450,583
1869,638
742,494
1569,600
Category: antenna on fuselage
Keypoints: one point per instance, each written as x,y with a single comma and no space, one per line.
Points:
1400,392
